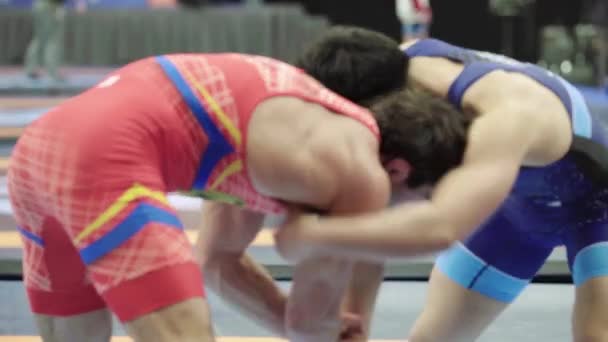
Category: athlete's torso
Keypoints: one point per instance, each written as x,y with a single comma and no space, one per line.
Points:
571,181
222,92
180,123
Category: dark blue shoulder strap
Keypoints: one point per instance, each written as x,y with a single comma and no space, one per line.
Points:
469,75
472,71
429,48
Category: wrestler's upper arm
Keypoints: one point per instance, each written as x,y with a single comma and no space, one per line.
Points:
340,176
512,98
468,194
226,228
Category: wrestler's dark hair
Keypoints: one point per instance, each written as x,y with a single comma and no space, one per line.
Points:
356,63
368,68
423,129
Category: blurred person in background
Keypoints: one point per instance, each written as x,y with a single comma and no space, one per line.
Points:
596,12
415,17
46,48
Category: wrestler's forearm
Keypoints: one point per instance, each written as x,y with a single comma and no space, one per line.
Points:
402,231
313,311
363,290
242,282
461,201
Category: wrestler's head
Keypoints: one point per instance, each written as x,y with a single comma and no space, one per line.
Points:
422,136
356,63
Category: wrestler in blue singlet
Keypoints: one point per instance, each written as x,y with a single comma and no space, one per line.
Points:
565,203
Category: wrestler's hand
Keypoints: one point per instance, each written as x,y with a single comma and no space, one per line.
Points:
291,238
352,328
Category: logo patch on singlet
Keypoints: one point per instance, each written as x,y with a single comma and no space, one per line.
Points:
108,82
216,196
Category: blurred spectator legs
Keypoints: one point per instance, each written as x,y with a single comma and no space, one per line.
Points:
512,13
578,52
46,47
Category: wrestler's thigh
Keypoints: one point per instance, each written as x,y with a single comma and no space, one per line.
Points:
474,281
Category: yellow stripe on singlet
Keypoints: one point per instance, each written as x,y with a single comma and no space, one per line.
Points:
221,115
265,237
12,239
137,191
231,169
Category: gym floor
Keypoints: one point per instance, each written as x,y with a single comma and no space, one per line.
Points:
542,313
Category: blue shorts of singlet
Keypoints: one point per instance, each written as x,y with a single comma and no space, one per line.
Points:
500,258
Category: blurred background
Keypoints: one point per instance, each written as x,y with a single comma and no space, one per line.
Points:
48,37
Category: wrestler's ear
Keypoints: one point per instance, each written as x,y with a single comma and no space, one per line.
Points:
398,170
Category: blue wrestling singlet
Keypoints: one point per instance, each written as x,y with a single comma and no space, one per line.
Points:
565,203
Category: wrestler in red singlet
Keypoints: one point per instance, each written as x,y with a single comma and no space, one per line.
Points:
88,180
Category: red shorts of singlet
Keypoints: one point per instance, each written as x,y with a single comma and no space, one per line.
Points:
88,192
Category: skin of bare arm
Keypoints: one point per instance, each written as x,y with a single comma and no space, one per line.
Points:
225,233
506,136
309,167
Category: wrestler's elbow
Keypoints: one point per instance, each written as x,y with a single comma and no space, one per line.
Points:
442,233
208,261
431,233
431,241
442,238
